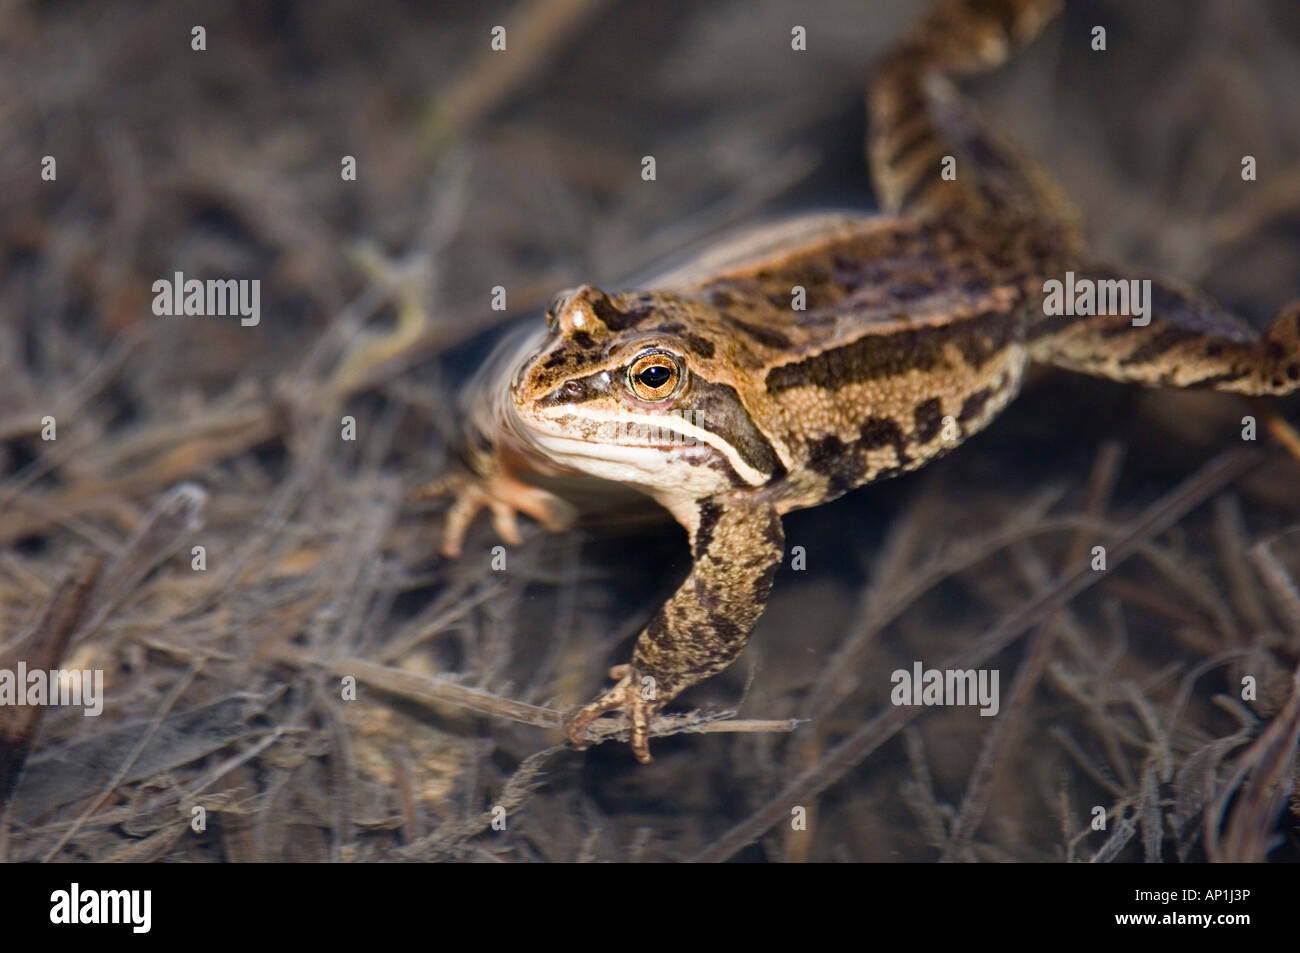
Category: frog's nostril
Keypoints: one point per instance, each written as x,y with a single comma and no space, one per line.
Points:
573,390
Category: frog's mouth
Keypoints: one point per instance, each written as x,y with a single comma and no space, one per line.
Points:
620,447
648,451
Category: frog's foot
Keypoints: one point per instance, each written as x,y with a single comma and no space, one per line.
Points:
503,496
625,697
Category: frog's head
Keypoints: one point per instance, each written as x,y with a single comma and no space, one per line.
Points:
634,388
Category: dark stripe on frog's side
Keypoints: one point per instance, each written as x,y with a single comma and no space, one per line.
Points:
973,406
880,432
928,417
876,356
845,464
1157,344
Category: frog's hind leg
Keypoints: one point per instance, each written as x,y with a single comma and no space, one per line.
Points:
1163,335
918,119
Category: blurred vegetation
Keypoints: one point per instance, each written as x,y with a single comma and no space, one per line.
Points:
521,169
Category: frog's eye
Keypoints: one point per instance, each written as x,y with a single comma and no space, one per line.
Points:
656,374
555,307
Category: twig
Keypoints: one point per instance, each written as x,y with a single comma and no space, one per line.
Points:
426,690
534,35
173,518
122,772
1281,587
1270,762
1277,425
48,643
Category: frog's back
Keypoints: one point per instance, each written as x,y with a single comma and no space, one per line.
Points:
871,344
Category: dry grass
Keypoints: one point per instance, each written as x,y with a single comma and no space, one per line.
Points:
224,686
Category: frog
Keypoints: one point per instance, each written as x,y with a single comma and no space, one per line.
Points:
827,353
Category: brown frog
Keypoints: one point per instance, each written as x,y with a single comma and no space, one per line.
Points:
833,352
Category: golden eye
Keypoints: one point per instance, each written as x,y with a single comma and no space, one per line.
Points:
655,375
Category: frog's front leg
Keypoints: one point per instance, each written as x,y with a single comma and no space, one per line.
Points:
737,545
481,479
504,496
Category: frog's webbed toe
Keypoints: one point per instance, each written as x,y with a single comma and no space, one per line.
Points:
627,697
504,497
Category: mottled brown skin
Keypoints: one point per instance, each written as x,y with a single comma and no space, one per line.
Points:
914,334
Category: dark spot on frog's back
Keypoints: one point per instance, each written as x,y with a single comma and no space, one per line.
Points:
814,275
849,273
911,291
986,335
699,346
768,337
583,340
611,316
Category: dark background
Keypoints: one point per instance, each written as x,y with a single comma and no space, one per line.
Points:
522,169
